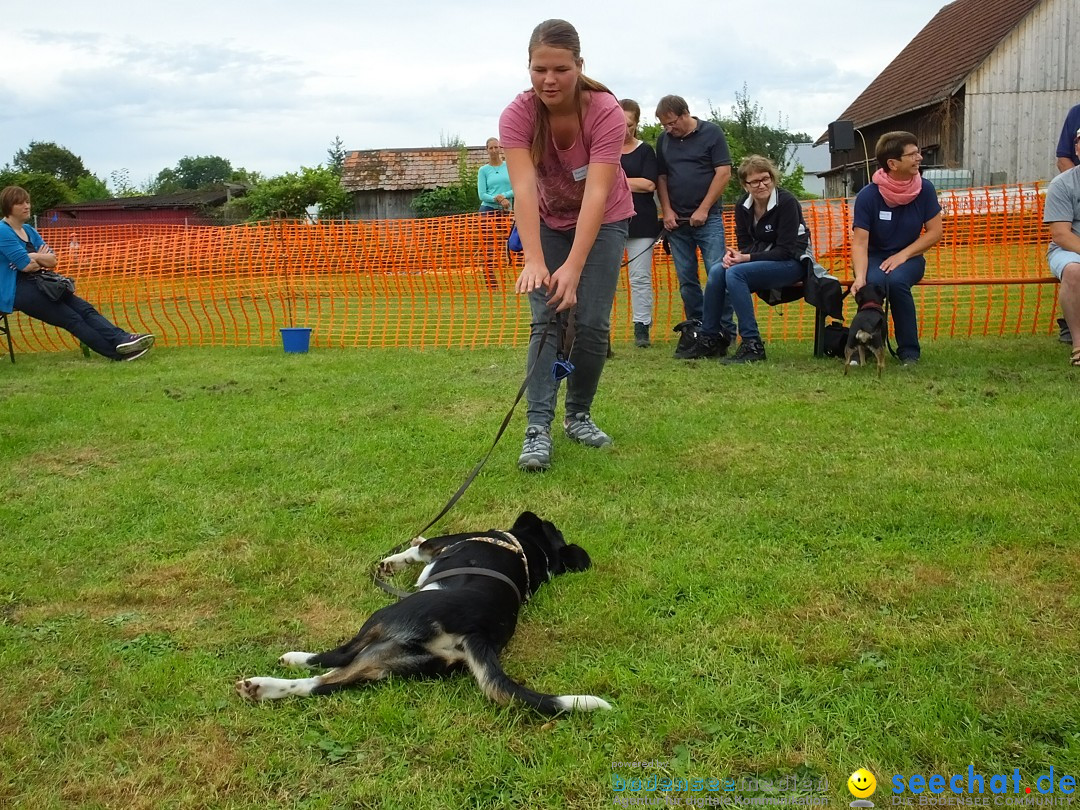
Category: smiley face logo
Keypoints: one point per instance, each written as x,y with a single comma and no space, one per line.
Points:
862,784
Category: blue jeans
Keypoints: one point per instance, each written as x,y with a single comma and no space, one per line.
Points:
897,286
684,242
592,322
70,313
732,287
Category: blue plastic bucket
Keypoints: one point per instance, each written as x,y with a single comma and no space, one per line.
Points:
296,340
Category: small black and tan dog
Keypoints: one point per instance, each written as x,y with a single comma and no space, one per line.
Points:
462,615
867,328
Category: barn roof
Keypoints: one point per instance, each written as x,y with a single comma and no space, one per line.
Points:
937,62
407,169
181,199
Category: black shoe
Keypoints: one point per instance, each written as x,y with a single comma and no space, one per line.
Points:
641,335
708,346
688,335
749,351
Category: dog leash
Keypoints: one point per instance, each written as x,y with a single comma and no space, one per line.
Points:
888,343
386,586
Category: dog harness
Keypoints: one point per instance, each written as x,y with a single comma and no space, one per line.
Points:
507,541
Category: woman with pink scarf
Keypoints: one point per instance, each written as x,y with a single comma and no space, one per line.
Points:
897,219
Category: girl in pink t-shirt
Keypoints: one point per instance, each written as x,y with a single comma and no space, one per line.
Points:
563,144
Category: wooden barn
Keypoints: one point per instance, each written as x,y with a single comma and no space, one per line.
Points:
383,182
985,87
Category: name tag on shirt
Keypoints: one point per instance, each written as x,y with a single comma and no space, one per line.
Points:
580,174
885,215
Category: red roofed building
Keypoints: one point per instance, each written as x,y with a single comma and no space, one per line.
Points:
179,208
383,182
985,87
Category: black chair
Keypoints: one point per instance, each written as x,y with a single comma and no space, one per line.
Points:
825,294
5,329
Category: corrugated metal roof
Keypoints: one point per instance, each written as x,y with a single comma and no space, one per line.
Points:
937,62
407,169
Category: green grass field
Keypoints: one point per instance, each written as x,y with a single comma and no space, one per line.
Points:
796,574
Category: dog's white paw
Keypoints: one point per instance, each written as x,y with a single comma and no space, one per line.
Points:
295,660
249,688
274,688
398,562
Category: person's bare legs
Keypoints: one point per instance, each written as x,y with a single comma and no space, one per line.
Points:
1069,295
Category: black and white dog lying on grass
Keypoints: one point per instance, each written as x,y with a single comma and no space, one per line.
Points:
463,614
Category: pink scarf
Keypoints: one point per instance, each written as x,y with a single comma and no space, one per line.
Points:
897,192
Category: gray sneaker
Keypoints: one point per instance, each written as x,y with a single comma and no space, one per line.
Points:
536,451
580,427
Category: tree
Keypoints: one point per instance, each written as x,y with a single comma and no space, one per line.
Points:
45,190
460,198
336,156
748,134
120,181
91,187
46,157
650,133
245,177
193,173
448,139
290,195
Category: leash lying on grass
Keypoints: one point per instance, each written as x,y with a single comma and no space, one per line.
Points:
419,536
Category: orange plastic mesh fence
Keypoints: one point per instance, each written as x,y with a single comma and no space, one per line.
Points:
448,282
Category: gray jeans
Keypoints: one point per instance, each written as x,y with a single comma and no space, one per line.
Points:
639,254
592,322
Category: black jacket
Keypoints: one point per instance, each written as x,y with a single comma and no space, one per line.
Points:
779,235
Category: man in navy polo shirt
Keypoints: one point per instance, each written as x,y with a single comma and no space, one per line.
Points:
1066,153
694,166
1061,213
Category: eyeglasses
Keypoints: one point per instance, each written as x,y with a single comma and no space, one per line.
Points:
759,183
912,154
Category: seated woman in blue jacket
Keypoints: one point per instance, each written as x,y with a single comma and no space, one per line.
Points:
772,238
22,254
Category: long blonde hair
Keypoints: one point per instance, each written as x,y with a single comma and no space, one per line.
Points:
557,34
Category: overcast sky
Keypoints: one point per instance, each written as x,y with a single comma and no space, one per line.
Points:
269,84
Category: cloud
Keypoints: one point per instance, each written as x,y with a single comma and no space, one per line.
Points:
268,86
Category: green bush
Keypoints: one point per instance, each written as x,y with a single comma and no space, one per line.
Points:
460,198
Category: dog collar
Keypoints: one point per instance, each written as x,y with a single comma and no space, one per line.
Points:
870,305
